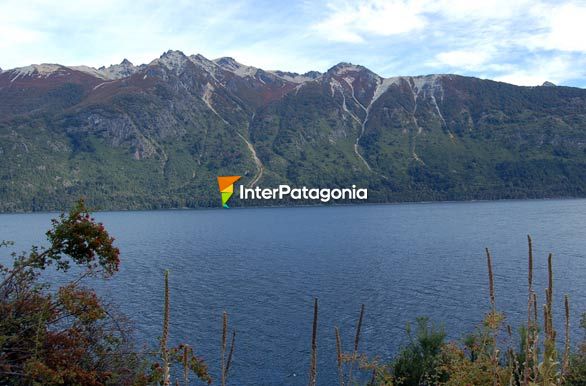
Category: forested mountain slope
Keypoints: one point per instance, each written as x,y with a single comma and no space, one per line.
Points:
157,135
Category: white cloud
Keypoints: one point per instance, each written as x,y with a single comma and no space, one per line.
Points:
472,59
355,22
18,36
564,28
469,10
352,23
276,58
557,70
519,41
105,32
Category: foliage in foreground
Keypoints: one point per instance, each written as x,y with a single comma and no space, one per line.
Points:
68,335
488,357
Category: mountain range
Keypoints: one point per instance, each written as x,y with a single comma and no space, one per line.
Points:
157,135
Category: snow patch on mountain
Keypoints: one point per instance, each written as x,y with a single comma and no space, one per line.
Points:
119,71
38,71
344,68
243,71
294,77
90,71
112,72
383,86
427,82
349,80
233,66
430,86
175,61
207,98
101,84
205,63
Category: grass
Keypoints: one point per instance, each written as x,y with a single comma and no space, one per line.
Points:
480,359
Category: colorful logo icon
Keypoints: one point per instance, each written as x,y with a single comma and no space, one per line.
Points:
226,185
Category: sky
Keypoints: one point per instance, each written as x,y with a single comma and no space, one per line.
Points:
516,41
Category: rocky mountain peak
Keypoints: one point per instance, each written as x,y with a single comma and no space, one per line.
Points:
43,70
119,71
345,67
227,63
173,60
423,137
230,64
204,62
313,74
295,77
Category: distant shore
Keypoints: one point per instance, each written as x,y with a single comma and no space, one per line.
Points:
304,205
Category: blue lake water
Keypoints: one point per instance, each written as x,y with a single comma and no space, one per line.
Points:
264,266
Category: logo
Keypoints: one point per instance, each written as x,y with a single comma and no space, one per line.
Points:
226,185
304,193
286,192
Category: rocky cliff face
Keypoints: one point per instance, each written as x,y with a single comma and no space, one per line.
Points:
156,135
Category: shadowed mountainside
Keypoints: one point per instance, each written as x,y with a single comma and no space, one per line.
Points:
157,135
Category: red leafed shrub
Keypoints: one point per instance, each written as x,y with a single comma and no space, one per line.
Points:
67,335
85,242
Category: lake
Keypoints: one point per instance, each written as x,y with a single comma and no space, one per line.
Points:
264,266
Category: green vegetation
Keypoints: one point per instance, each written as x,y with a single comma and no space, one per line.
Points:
160,145
482,358
418,361
68,335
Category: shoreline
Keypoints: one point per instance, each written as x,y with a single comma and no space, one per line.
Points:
316,205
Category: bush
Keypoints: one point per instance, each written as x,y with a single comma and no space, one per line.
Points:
68,335
417,363
577,374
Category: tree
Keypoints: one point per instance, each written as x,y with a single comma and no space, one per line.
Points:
69,335
66,335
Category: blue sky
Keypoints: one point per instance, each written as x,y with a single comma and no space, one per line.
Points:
521,42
